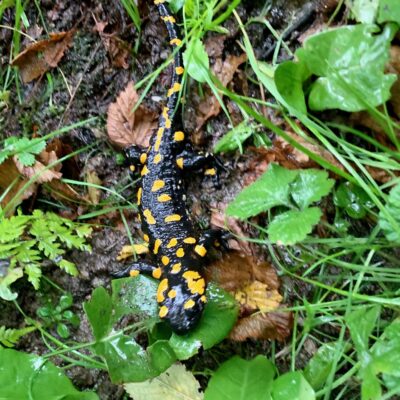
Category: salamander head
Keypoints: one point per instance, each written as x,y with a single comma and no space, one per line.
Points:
182,304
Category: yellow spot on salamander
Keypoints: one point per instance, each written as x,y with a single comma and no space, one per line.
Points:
189,304
179,136
190,275
179,70
157,185
176,268
200,250
176,42
144,171
172,218
157,245
158,139
139,196
146,238
165,113
179,162
203,299
169,18
172,294
175,88
149,217
173,242
156,273
197,287
163,311
189,240
180,252
163,198
157,158
168,123
132,168
143,158
165,260
134,273
156,2
162,287
210,171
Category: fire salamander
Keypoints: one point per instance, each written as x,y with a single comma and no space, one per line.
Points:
178,253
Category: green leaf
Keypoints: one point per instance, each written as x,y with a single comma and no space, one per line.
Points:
5,282
63,330
126,360
270,190
289,78
391,232
293,226
27,376
350,63
242,380
234,138
99,312
389,11
353,200
361,323
218,318
34,274
175,383
293,386
310,186
68,267
9,337
321,366
195,59
364,10
26,149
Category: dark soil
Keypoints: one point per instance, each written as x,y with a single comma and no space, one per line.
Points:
95,83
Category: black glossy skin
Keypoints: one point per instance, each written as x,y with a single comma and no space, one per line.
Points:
177,263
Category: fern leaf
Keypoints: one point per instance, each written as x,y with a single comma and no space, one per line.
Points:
9,337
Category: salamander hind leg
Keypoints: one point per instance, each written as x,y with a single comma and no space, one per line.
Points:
137,268
216,238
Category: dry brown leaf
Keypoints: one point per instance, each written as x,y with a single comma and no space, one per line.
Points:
94,192
118,50
255,286
125,127
41,56
224,71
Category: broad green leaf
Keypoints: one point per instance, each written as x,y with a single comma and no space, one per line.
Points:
292,386
364,10
310,186
195,59
389,11
350,63
321,365
239,379
11,277
27,376
127,361
174,384
391,232
218,318
386,352
99,312
361,323
293,226
234,138
135,296
270,190
289,78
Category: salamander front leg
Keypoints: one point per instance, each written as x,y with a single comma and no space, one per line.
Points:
215,238
137,268
135,156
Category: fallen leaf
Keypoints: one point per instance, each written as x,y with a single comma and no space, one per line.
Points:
94,192
125,127
255,286
224,70
394,67
118,50
39,57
